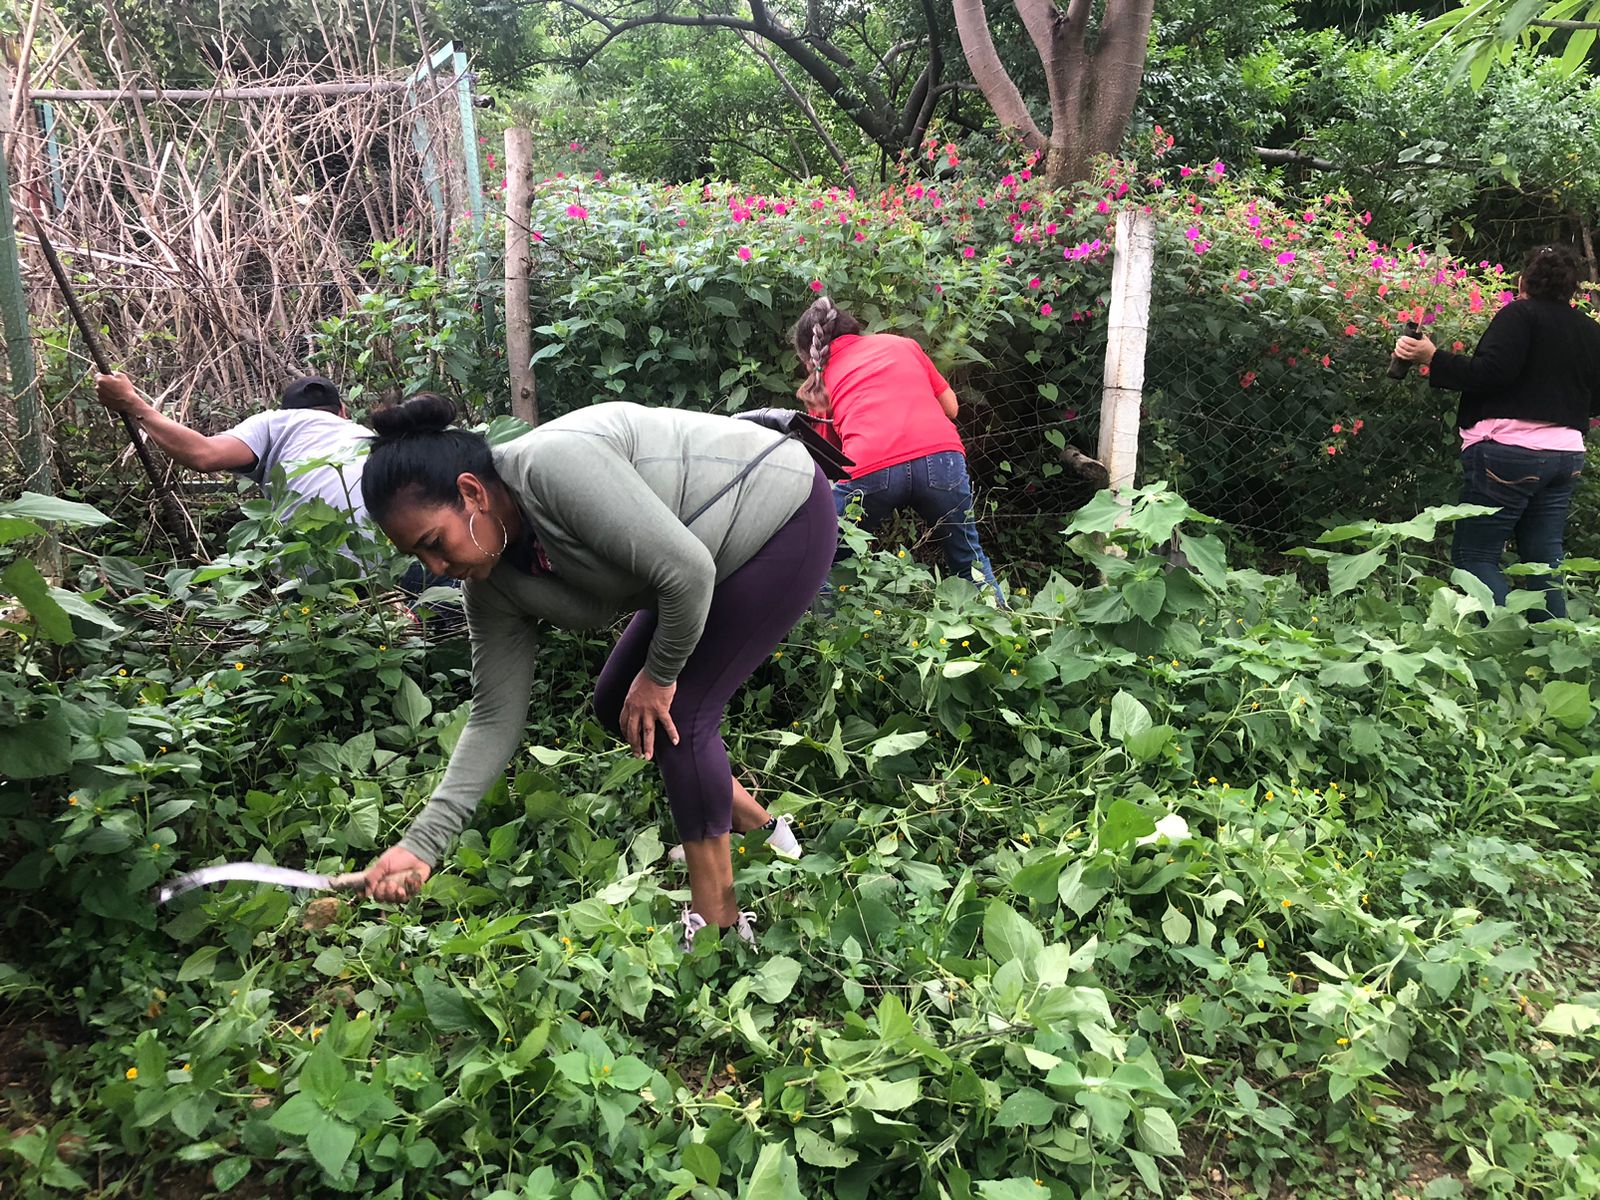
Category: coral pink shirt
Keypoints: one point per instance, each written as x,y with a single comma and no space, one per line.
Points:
1530,435
885,395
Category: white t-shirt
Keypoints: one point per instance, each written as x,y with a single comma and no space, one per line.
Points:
289,437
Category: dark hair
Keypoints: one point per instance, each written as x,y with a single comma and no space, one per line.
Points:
416,455
1550,273
813,336
311,391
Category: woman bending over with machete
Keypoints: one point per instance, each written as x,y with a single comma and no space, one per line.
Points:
716,533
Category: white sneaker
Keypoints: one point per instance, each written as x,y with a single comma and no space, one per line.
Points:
782,839
746,927
693,923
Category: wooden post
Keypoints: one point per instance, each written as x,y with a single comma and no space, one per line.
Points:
474,178
519,250
1128,323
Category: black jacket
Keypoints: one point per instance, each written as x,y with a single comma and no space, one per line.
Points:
1539,360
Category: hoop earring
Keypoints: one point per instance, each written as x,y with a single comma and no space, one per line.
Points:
505,537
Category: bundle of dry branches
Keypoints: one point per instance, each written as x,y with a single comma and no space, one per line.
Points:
209,236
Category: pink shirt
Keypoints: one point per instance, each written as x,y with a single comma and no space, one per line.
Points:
1530,435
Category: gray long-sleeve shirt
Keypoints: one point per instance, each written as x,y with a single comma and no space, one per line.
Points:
607,489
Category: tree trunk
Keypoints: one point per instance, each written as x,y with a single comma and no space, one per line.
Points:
1091,91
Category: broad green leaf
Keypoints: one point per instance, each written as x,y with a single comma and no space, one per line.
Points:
1025,1106
1570,1020
703,1161
1125,821
775,1176
1568,703
883,1095
1207,557
1008,935
330,1142
955,670
36,507
1011,1189
227,1173
1147,743
818,1151
22,580
1128,716
36,749
12,528
896,743
1346,571
1145,597
1157,1132
297,1115
775,978
1177,926
200,964
410,705
323,1075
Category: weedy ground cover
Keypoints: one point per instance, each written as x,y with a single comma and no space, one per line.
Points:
1176,879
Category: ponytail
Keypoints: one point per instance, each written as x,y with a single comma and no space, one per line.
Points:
813,336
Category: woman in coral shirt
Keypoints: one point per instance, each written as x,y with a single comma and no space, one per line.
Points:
893,415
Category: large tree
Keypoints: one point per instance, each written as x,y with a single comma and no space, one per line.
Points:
1093,58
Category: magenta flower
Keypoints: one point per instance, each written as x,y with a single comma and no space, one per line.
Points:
537,236
1045,310
578,146
1185,172
1009,181
816,285
744,253
967,252
578,211
781,208
1103,207
1284,259
1219,169
1034,282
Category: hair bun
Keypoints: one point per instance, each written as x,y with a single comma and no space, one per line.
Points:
426,412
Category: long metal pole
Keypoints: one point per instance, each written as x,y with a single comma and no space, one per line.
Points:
19,348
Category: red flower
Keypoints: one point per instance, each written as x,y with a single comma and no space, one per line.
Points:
1333,449
816,285
1349,331
1337,427
1247,379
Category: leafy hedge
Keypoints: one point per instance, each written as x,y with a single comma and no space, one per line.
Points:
1266,397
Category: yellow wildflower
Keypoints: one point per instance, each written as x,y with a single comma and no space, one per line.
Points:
123,673
1344,1041
1288,903
131,1073
238,666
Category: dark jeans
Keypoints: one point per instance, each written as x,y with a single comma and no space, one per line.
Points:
1533,491
752,610
938,488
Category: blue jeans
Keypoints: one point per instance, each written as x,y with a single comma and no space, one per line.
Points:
1533,491
937,487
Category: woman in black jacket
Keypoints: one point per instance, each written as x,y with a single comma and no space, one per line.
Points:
1528,392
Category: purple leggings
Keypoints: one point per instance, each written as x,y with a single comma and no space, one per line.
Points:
751,612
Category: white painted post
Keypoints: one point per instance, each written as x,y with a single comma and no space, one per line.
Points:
1128,324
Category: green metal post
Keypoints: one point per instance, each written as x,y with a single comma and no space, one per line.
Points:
19,349
469,149
52,149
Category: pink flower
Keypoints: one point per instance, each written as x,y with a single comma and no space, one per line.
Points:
967,252
1045,310
744,253
1337,427
816,285
1201,246
982,203
1247,379
1009,181
1185,172
1243,274
1192,233
1103,207
781,208
1333,450
575,146
578,211
1050,228
599,176
1034,282
1284,259
860,237
1219,169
